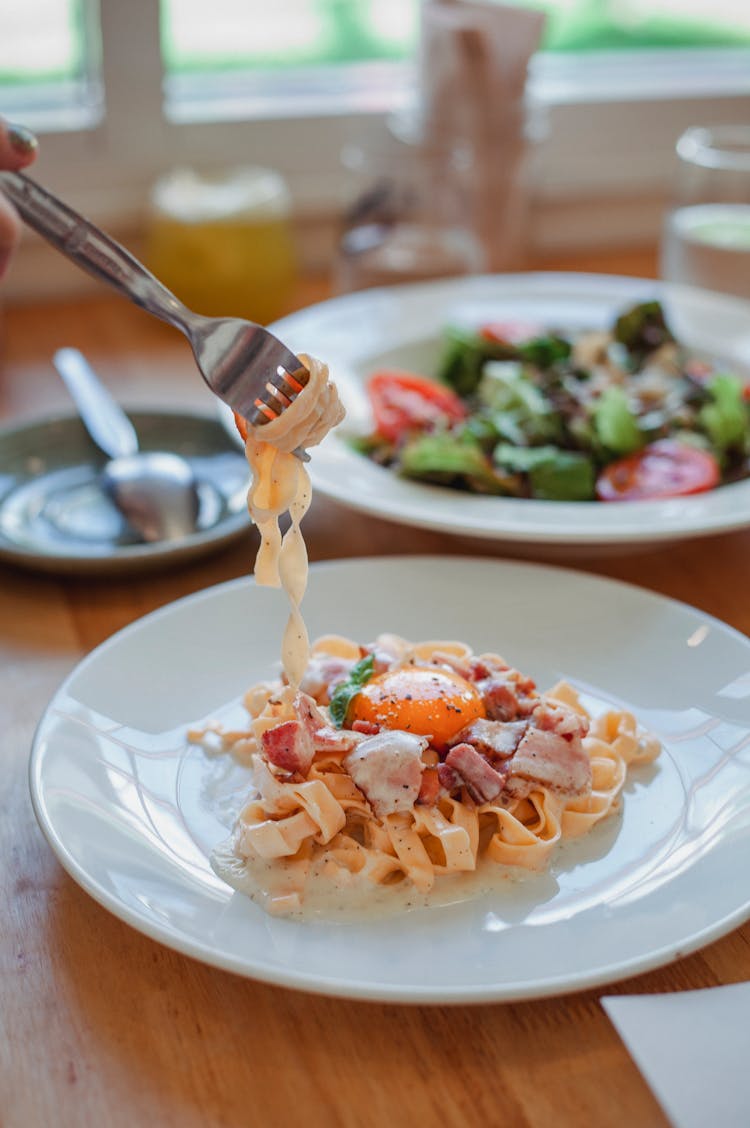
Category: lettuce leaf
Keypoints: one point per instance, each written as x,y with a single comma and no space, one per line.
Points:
615,424
464,355
521,411
726,419
443,457
345,691
554,474
545,352
642,329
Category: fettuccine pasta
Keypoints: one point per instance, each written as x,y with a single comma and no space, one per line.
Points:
281,484
397,768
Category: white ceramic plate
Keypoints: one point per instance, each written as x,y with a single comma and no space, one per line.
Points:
401,327
132,813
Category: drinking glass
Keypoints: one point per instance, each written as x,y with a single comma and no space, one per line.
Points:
410,218
222,241
706,238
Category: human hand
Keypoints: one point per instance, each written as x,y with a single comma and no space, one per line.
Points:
17,149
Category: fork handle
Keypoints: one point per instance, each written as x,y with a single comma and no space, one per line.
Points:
90,248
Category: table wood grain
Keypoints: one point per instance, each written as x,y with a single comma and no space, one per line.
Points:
102,1026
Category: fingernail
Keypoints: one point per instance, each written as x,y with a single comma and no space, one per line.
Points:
22,139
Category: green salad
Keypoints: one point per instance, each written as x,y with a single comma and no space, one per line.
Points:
622,414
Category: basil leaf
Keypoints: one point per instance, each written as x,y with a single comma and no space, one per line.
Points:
359,674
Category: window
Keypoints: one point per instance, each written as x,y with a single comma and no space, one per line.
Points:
607,25
293,33
122,91
253,58
49,63
294,57
354,51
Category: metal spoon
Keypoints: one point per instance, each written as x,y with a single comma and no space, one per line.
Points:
154,490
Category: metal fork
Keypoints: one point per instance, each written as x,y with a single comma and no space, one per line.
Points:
242,363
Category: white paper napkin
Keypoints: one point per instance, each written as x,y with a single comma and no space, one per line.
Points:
693,1048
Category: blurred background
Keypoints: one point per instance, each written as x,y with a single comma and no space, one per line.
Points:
126,97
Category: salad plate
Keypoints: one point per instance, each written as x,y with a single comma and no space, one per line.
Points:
133,811
402,327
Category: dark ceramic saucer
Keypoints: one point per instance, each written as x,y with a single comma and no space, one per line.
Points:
54,515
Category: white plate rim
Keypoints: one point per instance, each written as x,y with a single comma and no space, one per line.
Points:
351,480
521,990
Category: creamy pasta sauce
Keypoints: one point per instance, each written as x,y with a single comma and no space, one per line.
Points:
344,822
267,884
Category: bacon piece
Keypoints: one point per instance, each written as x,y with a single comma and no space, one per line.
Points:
429,789
449,778
482,781
369,728
289,746
308,712
550,760
479,670
325,737
485,665
555,717
500,701
329,739
387,768
508,695
496,740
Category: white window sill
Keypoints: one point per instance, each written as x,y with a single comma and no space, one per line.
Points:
640,76
600,176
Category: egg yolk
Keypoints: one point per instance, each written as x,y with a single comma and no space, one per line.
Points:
426,701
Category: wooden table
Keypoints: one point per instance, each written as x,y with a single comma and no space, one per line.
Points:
102,1026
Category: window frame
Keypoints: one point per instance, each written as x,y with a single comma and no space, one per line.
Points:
599,175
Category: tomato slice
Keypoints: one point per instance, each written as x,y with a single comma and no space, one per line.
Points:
403,401
663,469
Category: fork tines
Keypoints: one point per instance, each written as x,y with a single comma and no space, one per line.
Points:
279,392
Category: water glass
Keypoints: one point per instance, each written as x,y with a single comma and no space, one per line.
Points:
706,239
410,217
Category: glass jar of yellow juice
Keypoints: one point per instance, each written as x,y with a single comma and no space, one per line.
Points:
223,242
